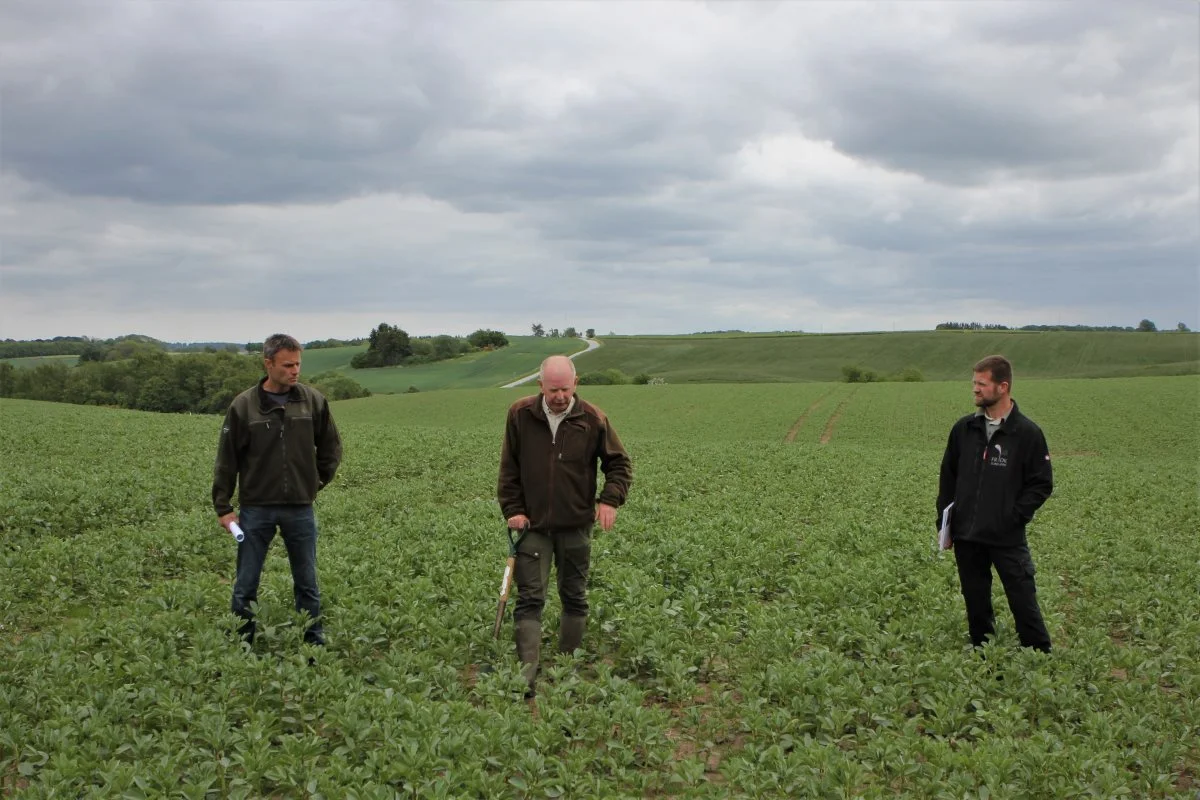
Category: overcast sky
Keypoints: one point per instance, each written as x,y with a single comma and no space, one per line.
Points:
203,171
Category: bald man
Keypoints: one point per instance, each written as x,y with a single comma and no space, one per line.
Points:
553,442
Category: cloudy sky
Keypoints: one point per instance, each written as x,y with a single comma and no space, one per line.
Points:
218,171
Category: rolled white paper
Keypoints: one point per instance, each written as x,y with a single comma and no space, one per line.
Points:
236,530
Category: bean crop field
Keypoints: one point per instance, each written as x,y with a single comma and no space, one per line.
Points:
768,617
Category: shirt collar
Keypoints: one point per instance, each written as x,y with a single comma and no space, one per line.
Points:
979,412
546,409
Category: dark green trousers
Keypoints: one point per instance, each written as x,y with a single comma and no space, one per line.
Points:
570,551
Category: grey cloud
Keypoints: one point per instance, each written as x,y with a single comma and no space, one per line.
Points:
233,143
204,116
959,115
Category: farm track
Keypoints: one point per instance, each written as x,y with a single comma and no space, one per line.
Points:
799,423
827,435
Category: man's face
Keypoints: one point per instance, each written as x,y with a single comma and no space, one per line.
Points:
558,387
283,371
987,391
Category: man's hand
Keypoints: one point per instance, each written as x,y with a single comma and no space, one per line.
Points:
229,519
606,515
518,522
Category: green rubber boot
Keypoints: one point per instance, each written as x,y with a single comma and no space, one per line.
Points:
570,633
529,644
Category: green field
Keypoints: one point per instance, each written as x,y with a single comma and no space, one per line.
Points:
768,618
522,357
37,361
939,355
784,357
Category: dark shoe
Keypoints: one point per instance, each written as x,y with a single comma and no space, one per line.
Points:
246,631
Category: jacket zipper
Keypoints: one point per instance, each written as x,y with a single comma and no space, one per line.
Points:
979,477
555,456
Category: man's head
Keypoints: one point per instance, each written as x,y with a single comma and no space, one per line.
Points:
992,382
557,381
281,360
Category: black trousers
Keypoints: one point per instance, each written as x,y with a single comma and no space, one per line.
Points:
1014,565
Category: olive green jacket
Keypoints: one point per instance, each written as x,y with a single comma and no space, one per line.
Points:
275,455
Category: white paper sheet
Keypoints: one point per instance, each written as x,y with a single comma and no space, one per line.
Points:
943,536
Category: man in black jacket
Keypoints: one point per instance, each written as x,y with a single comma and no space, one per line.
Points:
278,448
996,471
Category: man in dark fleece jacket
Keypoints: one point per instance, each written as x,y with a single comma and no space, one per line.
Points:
279,447
547,489
996,471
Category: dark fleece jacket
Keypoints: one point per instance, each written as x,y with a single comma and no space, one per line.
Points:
552,479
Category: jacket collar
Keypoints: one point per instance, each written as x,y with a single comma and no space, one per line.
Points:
1009,421
536,408
265,404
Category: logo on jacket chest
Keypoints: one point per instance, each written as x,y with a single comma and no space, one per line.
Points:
995,456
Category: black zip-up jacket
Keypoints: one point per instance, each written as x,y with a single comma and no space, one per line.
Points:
996,486
552,479
275,455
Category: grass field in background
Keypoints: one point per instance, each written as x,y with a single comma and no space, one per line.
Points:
783,357
767,618
939,355
523,356
35,361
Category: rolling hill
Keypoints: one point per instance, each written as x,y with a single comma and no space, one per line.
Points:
786,357
939,355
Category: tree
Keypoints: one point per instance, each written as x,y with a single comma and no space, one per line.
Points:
538,330
856,374
1182,328
93,351
338,386
1147,326
571,333
388,347
445,346
485,338
554,333
605,377
591,333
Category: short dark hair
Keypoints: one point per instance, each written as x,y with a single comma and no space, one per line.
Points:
999,367
279,341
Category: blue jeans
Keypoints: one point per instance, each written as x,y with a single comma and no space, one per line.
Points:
298,527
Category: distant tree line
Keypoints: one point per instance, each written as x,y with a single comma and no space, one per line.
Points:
970,326
124,344
615,377
152,380
853,373
539,330
322,344
99,349
390,346
29,348
1143,326
155,380
93,349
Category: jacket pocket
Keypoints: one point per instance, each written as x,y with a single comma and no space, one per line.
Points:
574,445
